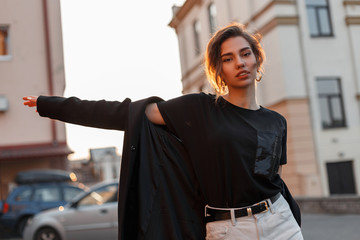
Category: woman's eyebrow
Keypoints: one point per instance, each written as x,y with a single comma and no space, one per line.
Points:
229,53
245,48
226,54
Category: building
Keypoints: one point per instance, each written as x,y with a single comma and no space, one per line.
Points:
31,63
103,165
106,162
312,77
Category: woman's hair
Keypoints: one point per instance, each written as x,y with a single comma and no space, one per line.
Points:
213,63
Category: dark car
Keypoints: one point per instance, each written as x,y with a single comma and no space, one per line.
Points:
37,191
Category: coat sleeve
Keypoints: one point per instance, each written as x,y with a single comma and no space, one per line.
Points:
99,114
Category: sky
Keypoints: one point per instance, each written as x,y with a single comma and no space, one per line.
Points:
114,49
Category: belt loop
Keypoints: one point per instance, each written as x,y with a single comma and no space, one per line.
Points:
205,211
232,214
270,206
249,211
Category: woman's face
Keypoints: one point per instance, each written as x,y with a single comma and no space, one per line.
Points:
239,64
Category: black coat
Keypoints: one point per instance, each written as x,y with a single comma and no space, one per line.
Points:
159,197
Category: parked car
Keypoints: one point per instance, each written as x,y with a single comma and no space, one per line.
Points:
37,191
91,216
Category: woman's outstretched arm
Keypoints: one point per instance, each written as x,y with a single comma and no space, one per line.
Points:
152,110
99,114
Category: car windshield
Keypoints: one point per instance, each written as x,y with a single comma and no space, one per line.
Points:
100,196
71,192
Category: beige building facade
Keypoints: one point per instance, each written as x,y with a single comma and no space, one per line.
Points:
31,63
312,77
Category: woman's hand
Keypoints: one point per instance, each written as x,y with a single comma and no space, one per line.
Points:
30,101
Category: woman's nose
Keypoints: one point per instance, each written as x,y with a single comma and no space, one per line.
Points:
240,62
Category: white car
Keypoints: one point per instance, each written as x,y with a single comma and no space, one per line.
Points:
92,215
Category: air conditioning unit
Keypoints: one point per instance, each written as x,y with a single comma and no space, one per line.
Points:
4,104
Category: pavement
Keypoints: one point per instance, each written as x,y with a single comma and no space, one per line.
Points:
330,227
320,227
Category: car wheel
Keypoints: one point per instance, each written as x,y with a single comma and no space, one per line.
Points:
47,233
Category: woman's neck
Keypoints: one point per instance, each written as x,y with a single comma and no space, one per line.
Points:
244,98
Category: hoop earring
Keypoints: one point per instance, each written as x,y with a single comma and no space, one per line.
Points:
258,76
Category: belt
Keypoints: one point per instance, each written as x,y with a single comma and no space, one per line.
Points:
213,214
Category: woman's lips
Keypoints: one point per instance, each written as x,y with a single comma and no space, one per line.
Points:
242,74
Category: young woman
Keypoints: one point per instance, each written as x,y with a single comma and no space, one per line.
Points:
236,147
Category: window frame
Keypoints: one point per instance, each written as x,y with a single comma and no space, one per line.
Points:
7,44
197,33
343,177
328,97
212,19
317,8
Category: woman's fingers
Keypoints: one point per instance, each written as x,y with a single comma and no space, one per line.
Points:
30,101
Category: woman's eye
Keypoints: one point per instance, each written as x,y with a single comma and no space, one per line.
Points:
226,59
247,54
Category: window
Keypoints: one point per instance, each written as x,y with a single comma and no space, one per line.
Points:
70,193
331,103
197,30
24,195
100,196
212,17
341,177
47,194
319,18
4,41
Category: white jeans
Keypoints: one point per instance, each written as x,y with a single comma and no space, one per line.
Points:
278,223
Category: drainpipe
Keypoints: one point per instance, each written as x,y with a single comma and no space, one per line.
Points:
49,65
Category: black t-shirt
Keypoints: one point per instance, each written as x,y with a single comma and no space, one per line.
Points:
236,152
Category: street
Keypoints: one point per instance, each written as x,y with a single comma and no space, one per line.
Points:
331,227
321,226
